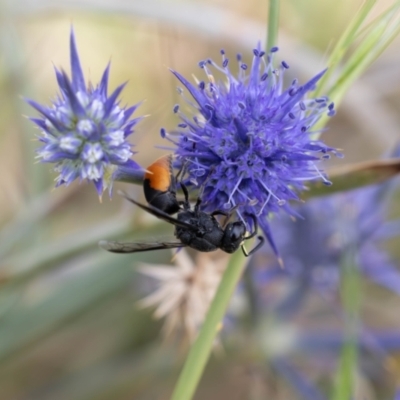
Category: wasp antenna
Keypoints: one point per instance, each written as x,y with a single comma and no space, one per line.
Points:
125,195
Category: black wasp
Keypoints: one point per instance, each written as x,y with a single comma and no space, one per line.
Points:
193,227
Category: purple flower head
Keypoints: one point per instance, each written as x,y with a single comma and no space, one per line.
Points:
84,133
313,246
316,353
251,142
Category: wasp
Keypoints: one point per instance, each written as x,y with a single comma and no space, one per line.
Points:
193,228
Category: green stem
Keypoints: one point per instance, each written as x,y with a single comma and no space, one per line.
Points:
351,298
201,349
273,24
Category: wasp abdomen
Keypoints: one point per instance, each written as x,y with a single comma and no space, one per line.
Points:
159,186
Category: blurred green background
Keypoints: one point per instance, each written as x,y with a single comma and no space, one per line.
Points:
69,327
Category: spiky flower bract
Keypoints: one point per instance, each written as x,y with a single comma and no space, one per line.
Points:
251,143
84,133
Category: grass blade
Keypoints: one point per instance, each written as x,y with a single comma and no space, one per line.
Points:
348,177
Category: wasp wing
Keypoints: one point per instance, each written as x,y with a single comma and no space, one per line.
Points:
158,213
135,247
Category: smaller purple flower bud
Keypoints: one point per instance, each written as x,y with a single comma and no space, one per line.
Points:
84,132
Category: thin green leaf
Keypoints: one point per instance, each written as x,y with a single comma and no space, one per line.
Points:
26,221
392,10
46,256
49,306
379,34
29,320
128,375
344,43
348,177
367,52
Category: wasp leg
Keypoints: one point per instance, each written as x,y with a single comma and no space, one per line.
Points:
182,170
197,206
255,248
219,212
226,213
252,234
186,203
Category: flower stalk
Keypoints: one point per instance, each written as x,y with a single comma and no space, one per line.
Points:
273,24
200,351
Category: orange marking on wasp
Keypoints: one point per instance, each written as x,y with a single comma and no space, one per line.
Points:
159,174
159,185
